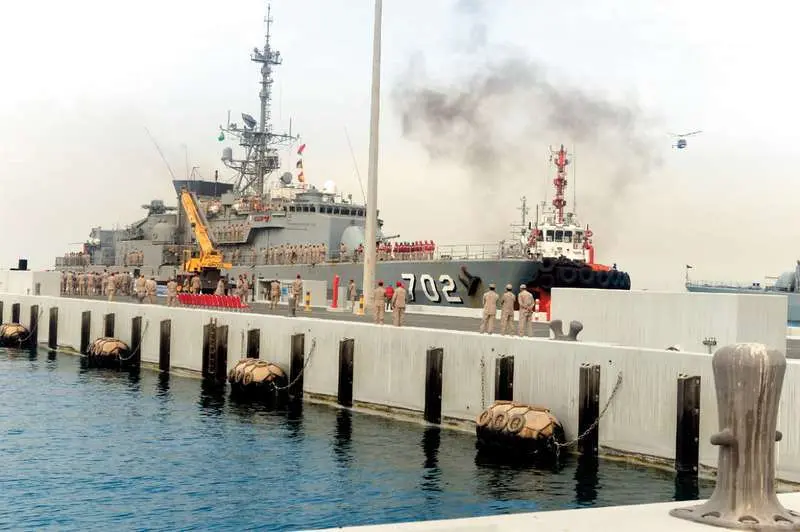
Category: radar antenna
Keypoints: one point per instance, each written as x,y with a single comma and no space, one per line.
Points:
257,138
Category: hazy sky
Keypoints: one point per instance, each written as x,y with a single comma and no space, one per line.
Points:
82,80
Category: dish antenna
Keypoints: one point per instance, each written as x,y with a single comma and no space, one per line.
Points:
286,178
681,142
249,121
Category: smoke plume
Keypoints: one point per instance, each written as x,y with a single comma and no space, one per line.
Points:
497,121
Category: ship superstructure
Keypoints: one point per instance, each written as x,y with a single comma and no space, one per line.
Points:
269,224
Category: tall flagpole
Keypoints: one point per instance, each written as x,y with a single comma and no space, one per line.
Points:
370,255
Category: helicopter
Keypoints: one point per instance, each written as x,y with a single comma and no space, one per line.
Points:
681,142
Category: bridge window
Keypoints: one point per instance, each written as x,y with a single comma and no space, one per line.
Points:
578,237
567,236
336,210
548,236
313,208
559,236
360,213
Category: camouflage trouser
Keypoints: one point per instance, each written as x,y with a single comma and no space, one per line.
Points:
487,322
525,325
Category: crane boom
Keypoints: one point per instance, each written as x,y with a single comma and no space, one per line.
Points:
209,258
198,226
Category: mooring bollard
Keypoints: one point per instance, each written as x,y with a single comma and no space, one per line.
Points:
575,327
748,379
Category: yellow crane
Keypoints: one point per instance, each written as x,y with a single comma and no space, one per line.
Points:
208,260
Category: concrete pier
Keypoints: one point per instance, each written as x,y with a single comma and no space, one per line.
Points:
390,371
637,518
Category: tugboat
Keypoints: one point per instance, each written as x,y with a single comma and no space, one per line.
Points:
269,224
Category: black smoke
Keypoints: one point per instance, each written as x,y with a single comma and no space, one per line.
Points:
499,117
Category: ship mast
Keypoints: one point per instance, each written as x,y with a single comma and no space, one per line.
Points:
560,182
257,138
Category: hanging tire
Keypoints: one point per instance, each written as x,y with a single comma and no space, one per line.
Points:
547,265
613,279
626,281
586,276
534,274
566,276
602,279
546,281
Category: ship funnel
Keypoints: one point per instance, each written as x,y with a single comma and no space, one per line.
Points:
227,154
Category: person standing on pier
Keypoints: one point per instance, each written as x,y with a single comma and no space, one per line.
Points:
195,284
389,294
297,294
139,288
379,302
351,295
110,287
172,293
399,305
507,310
490,298
150,288
525,310
274,294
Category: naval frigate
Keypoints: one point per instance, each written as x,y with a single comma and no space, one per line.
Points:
272,225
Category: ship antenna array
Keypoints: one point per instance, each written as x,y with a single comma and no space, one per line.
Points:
256,137
561,162
355,165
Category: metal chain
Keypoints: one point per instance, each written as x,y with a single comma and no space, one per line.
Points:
483,384
594,424
308,361
35,326
141,341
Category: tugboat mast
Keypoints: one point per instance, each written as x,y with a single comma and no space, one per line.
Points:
560,182
261,156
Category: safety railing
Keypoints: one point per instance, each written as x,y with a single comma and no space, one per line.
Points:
756,286
469,252
212,301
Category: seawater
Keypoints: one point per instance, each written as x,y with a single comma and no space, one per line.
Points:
88,449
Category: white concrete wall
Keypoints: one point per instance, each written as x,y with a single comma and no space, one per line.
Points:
24,282
389,369
661,319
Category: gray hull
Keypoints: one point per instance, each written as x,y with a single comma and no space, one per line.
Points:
792,298
429,282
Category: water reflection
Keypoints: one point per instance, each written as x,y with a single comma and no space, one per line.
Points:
343,437
587,482
212,397
431,474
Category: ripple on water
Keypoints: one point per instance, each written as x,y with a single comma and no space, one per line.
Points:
90,449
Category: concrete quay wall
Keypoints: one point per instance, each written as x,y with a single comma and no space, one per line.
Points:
661,319
390,369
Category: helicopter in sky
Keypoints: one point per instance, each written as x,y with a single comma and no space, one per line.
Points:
681,142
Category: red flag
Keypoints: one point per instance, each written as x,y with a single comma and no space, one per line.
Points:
301,149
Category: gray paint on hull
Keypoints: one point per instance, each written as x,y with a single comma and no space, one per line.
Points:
792,298
500,272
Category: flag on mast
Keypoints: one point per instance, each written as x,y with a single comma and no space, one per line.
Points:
301,149
299,164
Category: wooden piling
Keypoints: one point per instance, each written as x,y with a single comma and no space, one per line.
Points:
164,344
589,408
298,346
345,390
52,334
136,341
433,384
504,379
253,343
86,325
222,354
108,325
687,427
15,313
33,340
